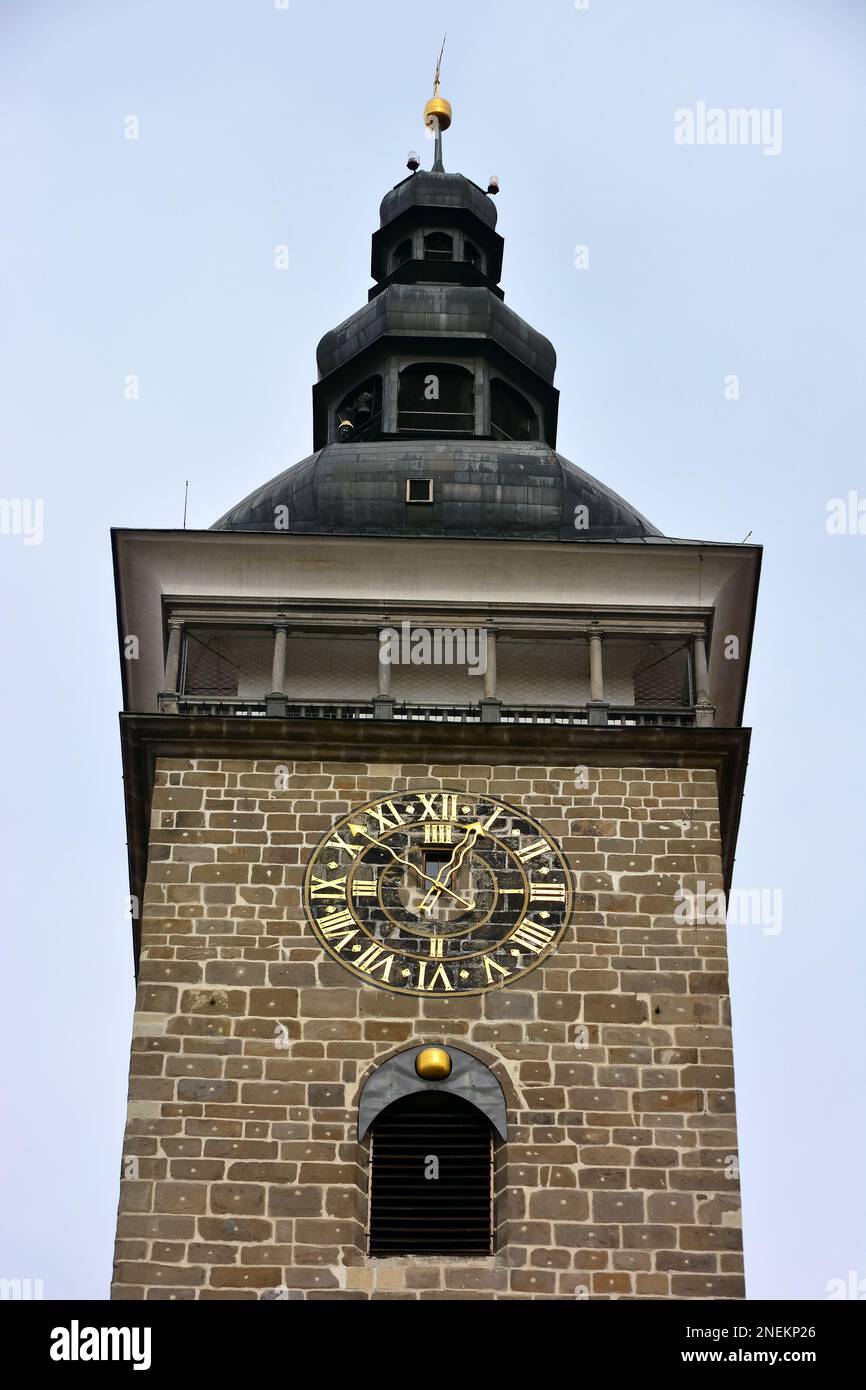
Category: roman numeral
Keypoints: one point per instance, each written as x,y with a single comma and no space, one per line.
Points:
375,958
342,844
328,887
436,947
530,851
546,892
438,805
336,919
490,965
533,936
494,817
339,928
439,974
379,815
435,833
363,888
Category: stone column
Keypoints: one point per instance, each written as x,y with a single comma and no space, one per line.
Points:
276,701
598,705
383,704
482,397
705,712
168,695
390,395
490,702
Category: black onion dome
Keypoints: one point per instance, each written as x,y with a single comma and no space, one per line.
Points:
481,488
449,312
436,259
430,189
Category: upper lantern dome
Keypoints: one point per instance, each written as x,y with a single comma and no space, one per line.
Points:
435,411
418,219
430,190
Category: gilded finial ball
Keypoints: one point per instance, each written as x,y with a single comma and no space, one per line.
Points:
433,1064
439,108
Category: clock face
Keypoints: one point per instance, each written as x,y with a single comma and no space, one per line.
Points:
438,892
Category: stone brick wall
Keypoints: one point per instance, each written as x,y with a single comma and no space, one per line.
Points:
242,1174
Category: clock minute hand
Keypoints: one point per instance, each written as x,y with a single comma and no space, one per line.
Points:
457,857
357,829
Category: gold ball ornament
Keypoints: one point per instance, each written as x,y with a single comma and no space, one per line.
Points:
440,108
433,1064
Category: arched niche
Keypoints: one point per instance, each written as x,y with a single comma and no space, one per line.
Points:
438,246
359,414
402,253
512,416
436,398
472,254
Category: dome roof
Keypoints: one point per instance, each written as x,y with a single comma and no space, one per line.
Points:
436,304
449,312
429,188
481,488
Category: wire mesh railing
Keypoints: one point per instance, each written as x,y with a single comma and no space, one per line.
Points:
436,421
229,672
626,717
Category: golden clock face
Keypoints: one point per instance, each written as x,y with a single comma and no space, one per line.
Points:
438,892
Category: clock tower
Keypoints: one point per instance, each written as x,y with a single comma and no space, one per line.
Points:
433,760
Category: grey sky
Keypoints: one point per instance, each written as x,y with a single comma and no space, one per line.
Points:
261,126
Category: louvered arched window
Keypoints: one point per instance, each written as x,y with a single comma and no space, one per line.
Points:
431,1177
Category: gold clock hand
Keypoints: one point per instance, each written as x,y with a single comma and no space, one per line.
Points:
457,857
357,829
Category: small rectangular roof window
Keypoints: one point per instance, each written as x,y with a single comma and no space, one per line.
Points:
419,489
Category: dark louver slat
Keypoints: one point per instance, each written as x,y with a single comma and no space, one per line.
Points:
411,1214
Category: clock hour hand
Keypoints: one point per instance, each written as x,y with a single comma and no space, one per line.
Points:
450,869
357,829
